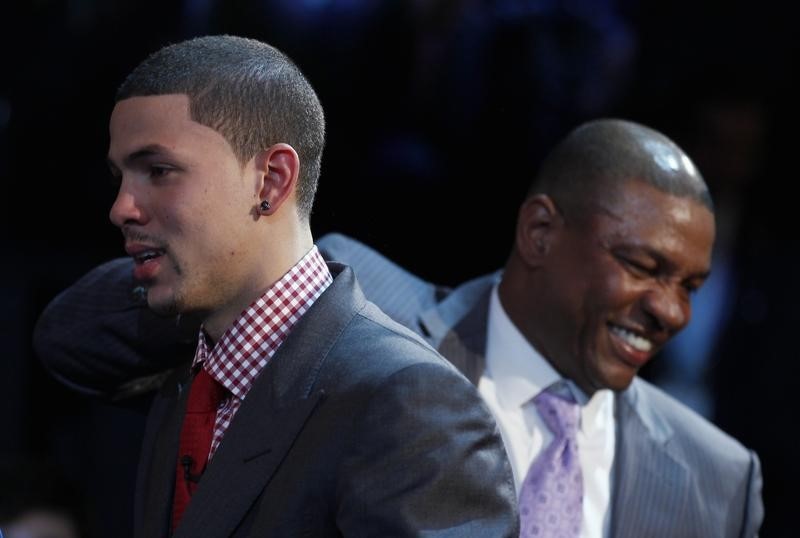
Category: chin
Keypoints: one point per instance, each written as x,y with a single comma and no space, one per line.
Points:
617,382
162,305
606,371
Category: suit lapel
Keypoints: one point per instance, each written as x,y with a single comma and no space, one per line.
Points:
465,344
457,326
251,452
156,482
271,417
650,480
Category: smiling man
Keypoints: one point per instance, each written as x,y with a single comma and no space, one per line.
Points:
304,410
614,236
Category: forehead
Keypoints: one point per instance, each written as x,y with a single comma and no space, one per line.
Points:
639,215
159,120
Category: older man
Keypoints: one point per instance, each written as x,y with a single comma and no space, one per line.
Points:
611,241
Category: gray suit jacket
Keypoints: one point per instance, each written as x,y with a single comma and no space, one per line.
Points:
675,474
345,433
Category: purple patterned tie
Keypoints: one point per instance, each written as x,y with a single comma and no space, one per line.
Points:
551,499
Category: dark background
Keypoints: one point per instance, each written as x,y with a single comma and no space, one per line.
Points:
438,115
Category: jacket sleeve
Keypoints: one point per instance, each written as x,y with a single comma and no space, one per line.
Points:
99,338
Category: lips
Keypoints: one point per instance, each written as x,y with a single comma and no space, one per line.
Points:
632,347
147,260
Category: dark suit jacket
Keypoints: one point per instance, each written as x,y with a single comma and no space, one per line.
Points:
356,427
675,474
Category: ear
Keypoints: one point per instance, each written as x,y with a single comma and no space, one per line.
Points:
278,168
538,224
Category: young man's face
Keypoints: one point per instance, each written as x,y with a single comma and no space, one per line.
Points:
620,283
185,205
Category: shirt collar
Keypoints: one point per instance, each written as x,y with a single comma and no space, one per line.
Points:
245,348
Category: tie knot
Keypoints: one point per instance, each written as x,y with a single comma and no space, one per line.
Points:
560,413
205,393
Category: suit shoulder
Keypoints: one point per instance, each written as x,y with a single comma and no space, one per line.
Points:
377,346
692,432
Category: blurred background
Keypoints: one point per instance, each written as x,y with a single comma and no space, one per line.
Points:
439,112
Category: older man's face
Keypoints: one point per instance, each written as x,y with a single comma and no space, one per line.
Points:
620,283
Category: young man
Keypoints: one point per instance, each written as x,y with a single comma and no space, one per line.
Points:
305,410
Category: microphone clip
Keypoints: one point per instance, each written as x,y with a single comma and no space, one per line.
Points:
186,462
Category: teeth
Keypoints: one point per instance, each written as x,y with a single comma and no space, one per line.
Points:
147,255
636,342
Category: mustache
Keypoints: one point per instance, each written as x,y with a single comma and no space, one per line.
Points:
133,235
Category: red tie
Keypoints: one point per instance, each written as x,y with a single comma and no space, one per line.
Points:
197,432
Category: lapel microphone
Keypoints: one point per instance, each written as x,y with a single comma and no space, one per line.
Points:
186,463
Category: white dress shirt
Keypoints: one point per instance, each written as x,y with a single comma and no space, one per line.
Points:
515,374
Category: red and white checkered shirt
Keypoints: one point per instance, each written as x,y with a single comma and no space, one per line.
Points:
246,347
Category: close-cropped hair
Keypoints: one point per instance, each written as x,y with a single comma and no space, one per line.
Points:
249,92
598,157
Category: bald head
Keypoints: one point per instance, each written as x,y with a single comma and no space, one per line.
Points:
610,243
597,158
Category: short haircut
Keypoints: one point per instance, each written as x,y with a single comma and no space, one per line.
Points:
600,155
249,92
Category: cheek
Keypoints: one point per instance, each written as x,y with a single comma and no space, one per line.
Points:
171,208
608,296
611,289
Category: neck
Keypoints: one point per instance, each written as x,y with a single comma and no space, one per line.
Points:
278,257
533,319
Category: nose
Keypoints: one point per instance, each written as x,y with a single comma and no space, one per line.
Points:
668,306
127,207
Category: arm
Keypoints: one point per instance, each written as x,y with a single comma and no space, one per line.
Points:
402,295
428,461
99,337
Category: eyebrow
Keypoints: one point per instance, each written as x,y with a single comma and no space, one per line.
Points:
140,154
